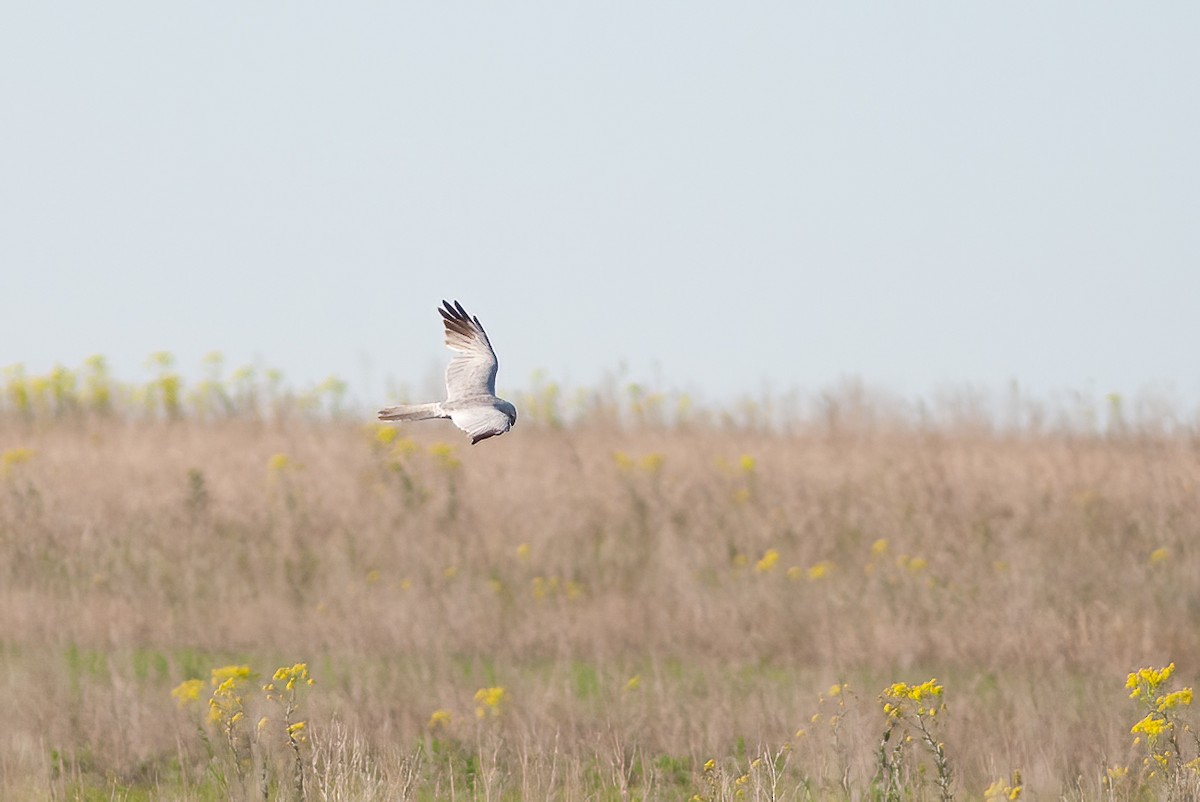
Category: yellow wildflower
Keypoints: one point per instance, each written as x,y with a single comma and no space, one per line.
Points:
1000,789
278,463
290,676
820,570
651,463
1144,682
1159,555
225,704
443,453
1179,698
767,563
439,720
384,434
14,456
233,673
1152,726
188,691
489,701
930,688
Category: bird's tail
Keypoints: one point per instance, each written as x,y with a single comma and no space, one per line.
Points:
413,412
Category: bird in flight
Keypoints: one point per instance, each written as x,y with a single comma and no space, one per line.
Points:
471,401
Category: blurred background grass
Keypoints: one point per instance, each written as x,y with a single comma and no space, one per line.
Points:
651,583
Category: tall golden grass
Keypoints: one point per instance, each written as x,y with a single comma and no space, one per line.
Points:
663,606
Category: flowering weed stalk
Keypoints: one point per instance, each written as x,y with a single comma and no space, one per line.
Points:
912,712
1158,730
393,453
227,712
282,690
1002,789
489,702
838,694
230,704
760,777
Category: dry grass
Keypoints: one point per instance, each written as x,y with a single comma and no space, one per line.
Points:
560,564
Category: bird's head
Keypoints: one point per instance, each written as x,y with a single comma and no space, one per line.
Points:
509,410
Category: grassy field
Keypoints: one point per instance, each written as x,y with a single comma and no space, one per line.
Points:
593,611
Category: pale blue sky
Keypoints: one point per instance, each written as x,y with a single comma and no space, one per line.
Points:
723,195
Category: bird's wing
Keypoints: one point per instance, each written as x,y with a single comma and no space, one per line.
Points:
473,371
480,422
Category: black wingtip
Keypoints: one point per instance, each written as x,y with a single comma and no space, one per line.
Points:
454,311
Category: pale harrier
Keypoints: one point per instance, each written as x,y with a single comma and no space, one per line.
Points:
471,401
